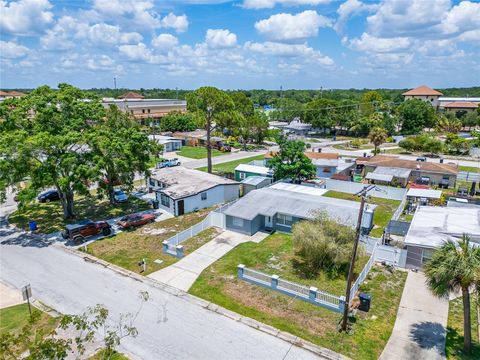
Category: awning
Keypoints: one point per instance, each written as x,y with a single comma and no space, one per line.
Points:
379,177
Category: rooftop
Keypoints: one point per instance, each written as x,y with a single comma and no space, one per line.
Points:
131,95
432,226
424,193
462,104
296,200
193,134
254,169
255,180
321,155
422,90
182,182
395,162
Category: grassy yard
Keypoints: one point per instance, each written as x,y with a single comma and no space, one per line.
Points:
274,255
230,166
115,356
127,248
49,216
454,343
383,212
472,169
14,318
197,152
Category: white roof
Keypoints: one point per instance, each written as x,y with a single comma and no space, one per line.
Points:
396,172
254,169
432,226
301,189
425,193
161,139
325,162
380,177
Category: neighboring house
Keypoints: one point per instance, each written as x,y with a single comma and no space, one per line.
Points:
190,138
10,94
169,143
298,128
459,106
396,171
326,163
281,205
244,171
180,190
456,101
146,110
422,197
255,182
424,93
433,226
277,124
131,95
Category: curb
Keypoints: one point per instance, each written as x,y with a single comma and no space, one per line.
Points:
287,337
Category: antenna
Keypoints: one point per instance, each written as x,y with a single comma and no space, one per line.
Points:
115,82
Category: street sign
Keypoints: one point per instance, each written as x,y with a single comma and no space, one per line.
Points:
27,294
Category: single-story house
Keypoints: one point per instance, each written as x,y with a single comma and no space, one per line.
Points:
388,175
169,143
298,128
277,124
180,190
190,138
328,164
255,182
423,196
281,205
432,226
430,173
466,106
243,171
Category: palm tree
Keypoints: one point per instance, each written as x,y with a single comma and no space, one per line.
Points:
377,137
456,267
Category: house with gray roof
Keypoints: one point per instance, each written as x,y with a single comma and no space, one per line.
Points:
180,190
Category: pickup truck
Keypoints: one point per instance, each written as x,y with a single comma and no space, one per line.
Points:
168,163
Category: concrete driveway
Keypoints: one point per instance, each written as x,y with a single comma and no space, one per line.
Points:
420,328
183,273
10,296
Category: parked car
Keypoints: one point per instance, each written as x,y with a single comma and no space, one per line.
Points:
49,195
168,163
79,231
119,196
134,220
421,158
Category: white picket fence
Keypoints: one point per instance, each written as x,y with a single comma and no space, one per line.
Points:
363,274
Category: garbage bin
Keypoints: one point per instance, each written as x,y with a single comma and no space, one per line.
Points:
155,204
32,224
364,302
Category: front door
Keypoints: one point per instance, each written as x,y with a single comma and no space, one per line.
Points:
181,207
268,222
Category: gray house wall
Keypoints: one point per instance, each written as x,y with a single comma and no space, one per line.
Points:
249,227
283,228
414,257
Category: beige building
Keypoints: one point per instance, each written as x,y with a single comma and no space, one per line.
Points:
424,93
456,106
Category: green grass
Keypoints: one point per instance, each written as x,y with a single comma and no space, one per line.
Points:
197,152
454,343
383,212
115,356
14,318
229,167
127,248
473,169
219,284
49,216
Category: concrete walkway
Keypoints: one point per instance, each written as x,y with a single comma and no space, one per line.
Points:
9,296
183,273
420,327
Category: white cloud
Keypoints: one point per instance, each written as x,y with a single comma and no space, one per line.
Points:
139,13
471,36
102,62
283,26
138,52
371,44
178,23
104,34
164,42
25,17
463,17
351,8
268,4
220,38
63,34
12,50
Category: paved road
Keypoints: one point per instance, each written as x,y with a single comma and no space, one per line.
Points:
420,328
171,327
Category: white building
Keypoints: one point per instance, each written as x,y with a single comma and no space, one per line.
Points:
169,143
424,93
180,190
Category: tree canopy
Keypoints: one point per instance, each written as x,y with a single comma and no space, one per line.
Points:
291,162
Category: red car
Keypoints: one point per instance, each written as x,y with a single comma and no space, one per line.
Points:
134,220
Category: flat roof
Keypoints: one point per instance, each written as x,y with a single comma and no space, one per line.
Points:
396,162
294,200
395,172
255,180
425,193
254,169
372,175
182,182
432,225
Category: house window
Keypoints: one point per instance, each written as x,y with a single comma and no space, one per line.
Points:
237,222
241,175
426,255
165,200
143,111
285,220
151,182
327,170
148,111
203,196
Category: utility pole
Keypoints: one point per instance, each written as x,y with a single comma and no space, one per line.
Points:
115,82
363,193
321,92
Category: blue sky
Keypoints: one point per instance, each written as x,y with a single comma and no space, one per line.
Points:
303,44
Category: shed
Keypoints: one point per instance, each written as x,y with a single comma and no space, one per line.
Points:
244,171
255,182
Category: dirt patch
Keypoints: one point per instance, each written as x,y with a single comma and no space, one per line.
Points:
277,305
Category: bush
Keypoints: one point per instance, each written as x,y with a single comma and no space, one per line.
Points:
323,245
355,143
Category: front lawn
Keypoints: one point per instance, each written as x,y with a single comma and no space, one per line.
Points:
14,318
454,343
383,212
101,355
49,216
229,167
274,255
472,169
128,248
197,152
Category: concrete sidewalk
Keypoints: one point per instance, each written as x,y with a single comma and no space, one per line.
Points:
9,296
420,327
183,273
